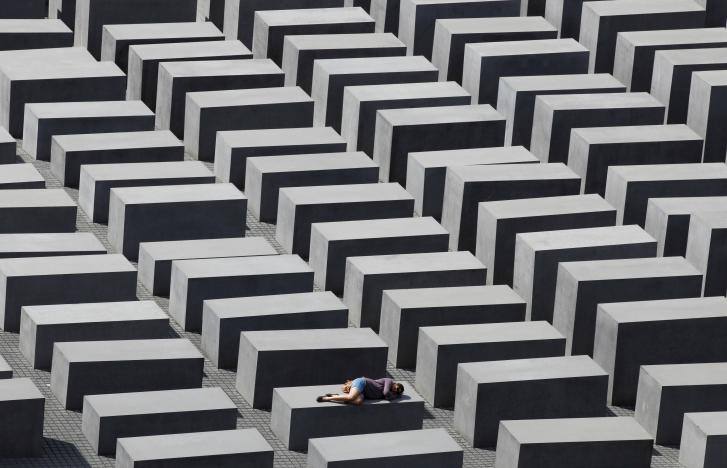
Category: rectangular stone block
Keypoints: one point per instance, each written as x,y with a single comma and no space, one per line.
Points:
706,114
551,443
266,175
673,77
367,277
667,392
601,22
224,319
99,367
18,34
70,152
452,35
49,245
283,358
65,10
386,14
565,15
176,79
97,180
426,172
485,63
703,439
300,207
442,348
582,286
174,212
331,77
109,417
301,52
633,334
27,9
272,26
500,222
705,249
209,112
21,176
144,60
516,98
43,121
593,150
667,219
635,51
8,148
466,186
538,254
43,326
156,258
232,148
36,211
194,281
428,448
548,387
117,38
241,447
21,407
555,116
629,188
296,417
402,131
93,15
362,103
332,243
716,12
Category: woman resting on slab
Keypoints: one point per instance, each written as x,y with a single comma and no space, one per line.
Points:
357,390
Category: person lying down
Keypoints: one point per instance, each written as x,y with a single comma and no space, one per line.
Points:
363,388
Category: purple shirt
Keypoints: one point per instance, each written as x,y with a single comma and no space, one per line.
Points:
378,389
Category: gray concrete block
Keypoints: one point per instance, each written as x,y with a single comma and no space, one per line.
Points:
452,35
8,148
21,407
593,442
232,148
144,60
100,367
703,439
555,116
405,311
331,77
36,211
17,34
21,176
516,98
367,278
402,131
117,38
667,392
582,286
241,447
176,79
173,212
538,254
70,152
466,186
386,14
296,417
209,112
485,63
109,417
549,387
593,150
601,22
332,243
706,114
635,51
284,358
97,180
672,79
705,250
49,245
43,121
194,281
442,348
499,223
362,103
224,319
266,175
428,448
65,10
565,15
633,334
629,188
716,12
156,258
42,326
300,207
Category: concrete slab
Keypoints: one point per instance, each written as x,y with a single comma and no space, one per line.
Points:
36,211
20,176
49,245
705,250
22,417
702,441
17,34
705,114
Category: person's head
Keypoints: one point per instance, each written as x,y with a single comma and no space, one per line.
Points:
346,387
397,388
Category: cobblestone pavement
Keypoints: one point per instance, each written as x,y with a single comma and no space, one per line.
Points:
65,445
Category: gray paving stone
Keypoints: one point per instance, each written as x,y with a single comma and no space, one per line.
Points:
702,442
36,211
22,418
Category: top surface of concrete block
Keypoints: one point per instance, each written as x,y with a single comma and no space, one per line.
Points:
374,64
532,369
603,270
274,18
338,338
688,375
280,137
574,430
242,266
177,193
35,198
508,172
712,423
555,82
122,32
252,306
54,71
473,156
637,134
165,401
202,68
713,77
343,41
688,205
599,101
94,312
546,206
662,310
535,47
674,36
63,265
325,194
115,140
189,49
33,26
69,110
585,237
379,228
444,114
248,97
305,397
642,7
128,350
452,296
203,248
145,170
53,242
666,172
19,389
495,25
401,91
311,162
405,263
491,332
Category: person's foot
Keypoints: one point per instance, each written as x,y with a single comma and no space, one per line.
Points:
320,399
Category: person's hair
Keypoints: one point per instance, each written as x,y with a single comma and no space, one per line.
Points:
397,388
